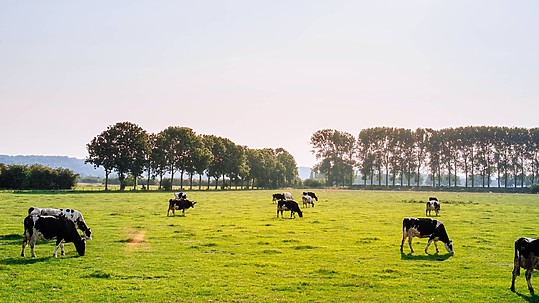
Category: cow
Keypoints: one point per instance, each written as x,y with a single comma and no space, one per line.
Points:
51,227
310,193
423,228
182,204
71,214
432,205
277,197
180,195
287,195
527,257
307,200
289,205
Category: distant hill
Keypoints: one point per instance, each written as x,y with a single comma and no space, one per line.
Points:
74,164
85,170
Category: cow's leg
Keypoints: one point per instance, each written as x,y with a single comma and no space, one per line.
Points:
55,253
32,244
410,244
428,244
62,250
402,242
516,272
24,243
529,272
436,245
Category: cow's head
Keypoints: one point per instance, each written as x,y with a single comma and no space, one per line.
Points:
88,234
449,246
80,245
193,204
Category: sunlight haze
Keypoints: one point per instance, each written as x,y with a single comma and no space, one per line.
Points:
261,73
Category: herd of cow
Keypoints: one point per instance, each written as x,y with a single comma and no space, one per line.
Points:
62,225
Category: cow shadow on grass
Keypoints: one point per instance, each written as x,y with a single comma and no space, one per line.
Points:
24,260
12,239
429,257
528,297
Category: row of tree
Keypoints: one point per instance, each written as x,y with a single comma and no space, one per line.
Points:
398,156
36,177
128,150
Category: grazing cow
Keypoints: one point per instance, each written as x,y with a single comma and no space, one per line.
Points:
307,200
51,227
423,228
287,195
182,204
527,257
432,205
180,195
277,197
288,205
310,193
71,214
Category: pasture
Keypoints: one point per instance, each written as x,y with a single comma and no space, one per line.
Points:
232,248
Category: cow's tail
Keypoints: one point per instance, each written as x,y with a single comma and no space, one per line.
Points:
516,269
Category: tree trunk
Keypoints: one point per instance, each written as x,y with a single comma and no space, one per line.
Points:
106,180
181,179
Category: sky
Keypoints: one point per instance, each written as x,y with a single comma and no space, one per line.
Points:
265,74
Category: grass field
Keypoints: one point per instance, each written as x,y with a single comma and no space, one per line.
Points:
232,248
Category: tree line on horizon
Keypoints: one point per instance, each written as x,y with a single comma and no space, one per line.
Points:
36,177
399,156
129,150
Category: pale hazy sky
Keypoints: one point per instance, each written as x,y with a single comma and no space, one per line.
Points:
261,73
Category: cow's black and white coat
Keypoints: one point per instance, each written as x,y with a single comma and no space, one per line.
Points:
311,194
432,205
282,196
277,197
180,195
425,228
288,205
307,200
527,257
179,204
71,214
51,227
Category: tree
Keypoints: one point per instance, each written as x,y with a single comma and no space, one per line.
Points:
335,150
121,147
101,154
216,167
289,165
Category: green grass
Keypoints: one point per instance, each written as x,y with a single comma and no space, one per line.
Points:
232,248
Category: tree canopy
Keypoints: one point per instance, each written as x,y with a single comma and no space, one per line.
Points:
127,149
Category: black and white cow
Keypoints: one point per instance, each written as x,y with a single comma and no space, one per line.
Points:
71,214
307,200
423,228
432,205
183,204
51,227
180,195
288,205
310,193
277,197
527,257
